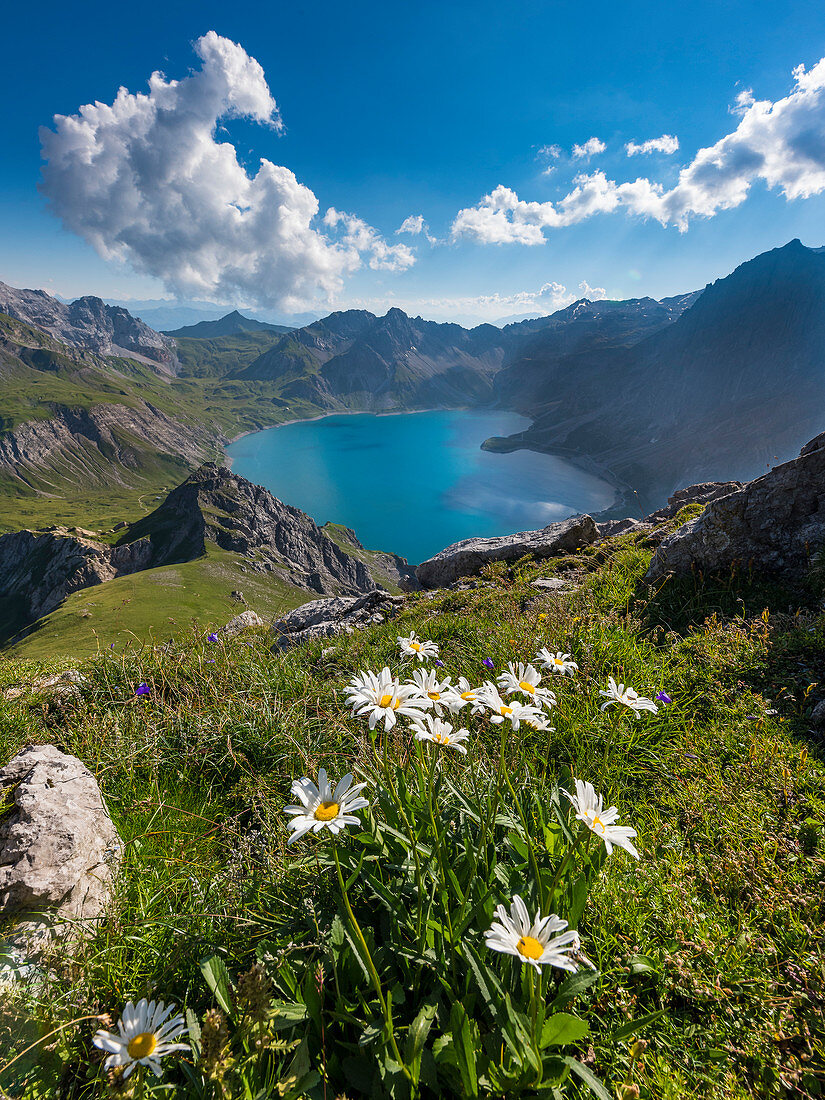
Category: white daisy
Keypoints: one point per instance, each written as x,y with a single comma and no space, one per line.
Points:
501,710
533,942
435,692
417,647
557,662
526,679
463,695
618,693
442,733
323,808
590,809
382,696
541,724
145,1034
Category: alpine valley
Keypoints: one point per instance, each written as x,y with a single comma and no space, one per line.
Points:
110,431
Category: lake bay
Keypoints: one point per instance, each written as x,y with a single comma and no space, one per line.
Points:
415,482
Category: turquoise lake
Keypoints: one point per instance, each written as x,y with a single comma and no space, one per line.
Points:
415,482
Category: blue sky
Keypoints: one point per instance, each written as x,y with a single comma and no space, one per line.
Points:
389,112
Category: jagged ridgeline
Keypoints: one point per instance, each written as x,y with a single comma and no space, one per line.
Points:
217,537
101,417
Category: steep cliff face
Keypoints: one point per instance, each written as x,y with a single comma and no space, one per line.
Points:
213,510
39,570
98,446
737,381
218,507
90,324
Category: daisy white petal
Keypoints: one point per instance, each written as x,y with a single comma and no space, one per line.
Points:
441,733
145,1035
532,942
329,809
428,686
417,647
525,679
382,697
618,693
557,662
503,711
590,809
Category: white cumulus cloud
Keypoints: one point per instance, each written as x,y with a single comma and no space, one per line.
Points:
146,181
666,144
417,227
590,148
781,144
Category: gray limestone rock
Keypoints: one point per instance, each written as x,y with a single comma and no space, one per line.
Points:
776,522
325,618
241,623
43,569
467,557
58,846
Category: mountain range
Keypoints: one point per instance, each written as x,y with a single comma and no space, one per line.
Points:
656,393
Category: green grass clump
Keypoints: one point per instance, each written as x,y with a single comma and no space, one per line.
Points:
708,950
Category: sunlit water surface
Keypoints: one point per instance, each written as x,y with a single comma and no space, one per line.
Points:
416,482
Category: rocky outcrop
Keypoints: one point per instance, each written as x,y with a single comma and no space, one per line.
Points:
325,618
99,445
39,570
240,623
464,558
703,493
216,506
90,324
61,686
776,522
58,846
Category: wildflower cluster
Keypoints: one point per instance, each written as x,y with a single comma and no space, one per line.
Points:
469,871
434,703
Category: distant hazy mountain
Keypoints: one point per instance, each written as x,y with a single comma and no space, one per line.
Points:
735,383
164,318
230,325
355,359
90,324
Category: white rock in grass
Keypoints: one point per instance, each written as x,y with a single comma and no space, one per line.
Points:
241,623
58,846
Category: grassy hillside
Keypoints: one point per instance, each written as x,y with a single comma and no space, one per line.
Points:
219,355
156,605
81,484
708,949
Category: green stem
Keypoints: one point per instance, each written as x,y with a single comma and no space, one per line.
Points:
419,877
440,856
531,851
376,981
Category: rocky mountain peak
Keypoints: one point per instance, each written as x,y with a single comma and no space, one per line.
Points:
219,507
90,324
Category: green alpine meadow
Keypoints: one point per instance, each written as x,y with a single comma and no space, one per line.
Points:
412,551
362,958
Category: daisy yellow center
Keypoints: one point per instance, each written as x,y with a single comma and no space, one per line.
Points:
558,662
530,948
441,738
434,694
467,695
506,710
415,646
598,825
142,1045
387,701
327,811
527,687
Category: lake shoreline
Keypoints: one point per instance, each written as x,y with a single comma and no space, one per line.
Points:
507,444
369,466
